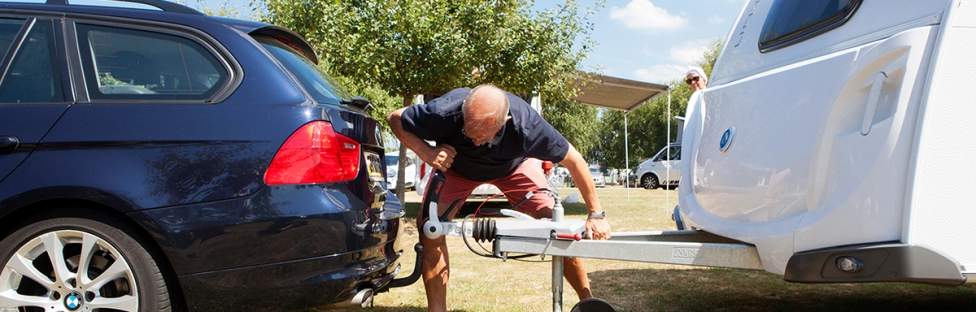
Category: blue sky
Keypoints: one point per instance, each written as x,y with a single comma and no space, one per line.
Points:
645,40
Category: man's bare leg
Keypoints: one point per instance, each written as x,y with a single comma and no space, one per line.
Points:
436,272
575,274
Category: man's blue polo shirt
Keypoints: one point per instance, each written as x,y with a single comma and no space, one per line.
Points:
525,135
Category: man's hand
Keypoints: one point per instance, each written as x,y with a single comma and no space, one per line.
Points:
597,229
440,157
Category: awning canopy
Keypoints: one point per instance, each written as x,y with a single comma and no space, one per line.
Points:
616,93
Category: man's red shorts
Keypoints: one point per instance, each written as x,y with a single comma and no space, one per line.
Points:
526,178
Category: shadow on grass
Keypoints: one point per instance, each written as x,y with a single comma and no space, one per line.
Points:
411,209
739,290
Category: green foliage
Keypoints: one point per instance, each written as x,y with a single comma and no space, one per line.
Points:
575,122
108,80
383,103
223,9
409,47
647,124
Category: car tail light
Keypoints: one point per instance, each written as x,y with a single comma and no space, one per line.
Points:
314,154
423,170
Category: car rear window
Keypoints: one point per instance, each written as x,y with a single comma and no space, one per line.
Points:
138,64
792,21
316,82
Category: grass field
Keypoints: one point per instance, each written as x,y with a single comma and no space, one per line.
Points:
482,284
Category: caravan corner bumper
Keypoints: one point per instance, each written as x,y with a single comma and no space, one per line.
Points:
891,262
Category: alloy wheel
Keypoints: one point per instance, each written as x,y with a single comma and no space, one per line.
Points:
67,270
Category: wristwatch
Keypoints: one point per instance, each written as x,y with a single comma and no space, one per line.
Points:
600,215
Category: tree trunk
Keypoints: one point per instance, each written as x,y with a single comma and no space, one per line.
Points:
402,163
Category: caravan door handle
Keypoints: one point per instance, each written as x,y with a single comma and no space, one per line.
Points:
9,143
872,105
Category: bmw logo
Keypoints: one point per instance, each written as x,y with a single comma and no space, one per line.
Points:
72,301
727,138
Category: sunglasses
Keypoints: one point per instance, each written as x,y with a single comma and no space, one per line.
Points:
692,79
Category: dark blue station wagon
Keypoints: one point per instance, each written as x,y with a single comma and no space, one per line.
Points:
156,159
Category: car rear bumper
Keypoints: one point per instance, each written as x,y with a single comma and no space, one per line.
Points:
294,284
284,247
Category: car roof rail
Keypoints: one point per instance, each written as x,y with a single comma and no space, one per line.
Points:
166,6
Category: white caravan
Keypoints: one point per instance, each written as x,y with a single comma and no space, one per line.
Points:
837,137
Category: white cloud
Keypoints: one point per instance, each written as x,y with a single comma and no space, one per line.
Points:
661,73
642,14
715,19
690,51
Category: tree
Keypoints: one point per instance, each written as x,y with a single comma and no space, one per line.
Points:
410,47
647,124
223,9
575,122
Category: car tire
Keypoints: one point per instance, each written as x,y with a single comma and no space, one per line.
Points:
649,181
43,261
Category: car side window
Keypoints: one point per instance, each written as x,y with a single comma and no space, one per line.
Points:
793,21
676,153
146,65
34,75
9,28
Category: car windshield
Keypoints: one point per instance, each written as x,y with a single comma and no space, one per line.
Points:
315,81
594,171
391,160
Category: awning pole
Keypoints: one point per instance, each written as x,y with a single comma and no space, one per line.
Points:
626,158
667,199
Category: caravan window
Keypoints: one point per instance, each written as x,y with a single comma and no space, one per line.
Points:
792,21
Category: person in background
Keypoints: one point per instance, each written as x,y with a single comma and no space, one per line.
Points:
696,79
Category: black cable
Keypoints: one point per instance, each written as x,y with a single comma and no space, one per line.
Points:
474,217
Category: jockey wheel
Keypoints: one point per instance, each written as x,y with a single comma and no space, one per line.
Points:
593,305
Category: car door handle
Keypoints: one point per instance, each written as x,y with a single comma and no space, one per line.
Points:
9,143
872,105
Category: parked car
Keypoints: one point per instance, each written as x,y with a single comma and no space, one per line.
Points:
410,170
598,179
833,140
153,158
662,170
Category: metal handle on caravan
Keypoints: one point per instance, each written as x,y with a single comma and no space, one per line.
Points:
872,105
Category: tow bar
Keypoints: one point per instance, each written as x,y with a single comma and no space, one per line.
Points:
561,238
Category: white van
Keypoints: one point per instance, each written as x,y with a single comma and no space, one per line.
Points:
837,137
662,170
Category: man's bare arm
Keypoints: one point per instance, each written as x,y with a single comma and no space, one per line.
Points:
580,171
439,157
